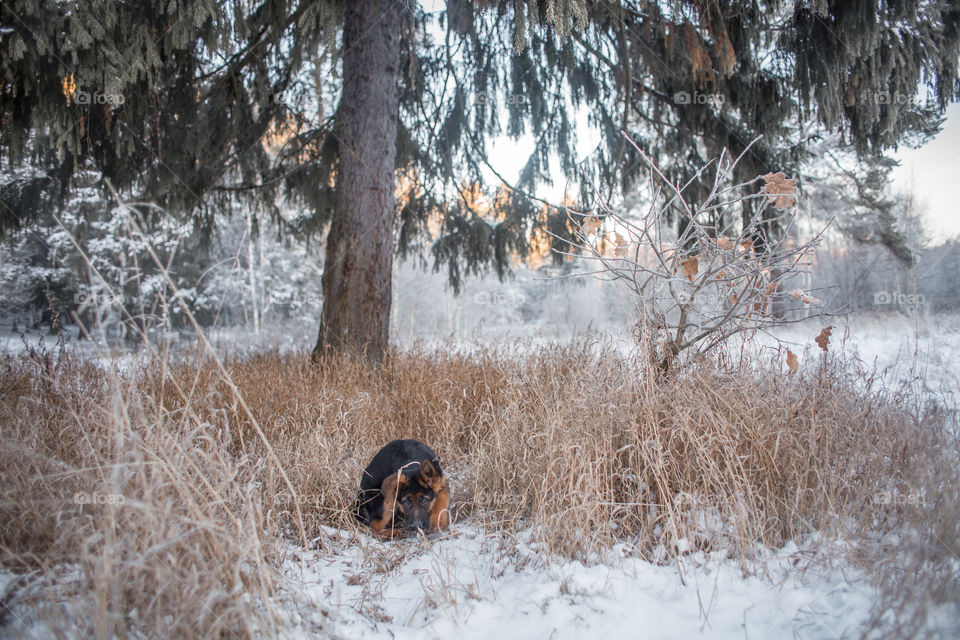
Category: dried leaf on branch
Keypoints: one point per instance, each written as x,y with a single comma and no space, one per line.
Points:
780,189
591,225
792,361
690,267
621,246
823,339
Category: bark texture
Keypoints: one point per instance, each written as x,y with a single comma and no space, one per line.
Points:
359,255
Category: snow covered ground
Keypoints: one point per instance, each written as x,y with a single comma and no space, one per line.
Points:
922,352
533,307
471,585
467,585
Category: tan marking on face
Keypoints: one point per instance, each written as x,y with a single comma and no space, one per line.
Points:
440,509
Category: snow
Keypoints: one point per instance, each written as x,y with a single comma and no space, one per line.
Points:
921,351
469,584
535,307
472,583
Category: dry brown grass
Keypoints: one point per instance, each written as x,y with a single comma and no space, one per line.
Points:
573,442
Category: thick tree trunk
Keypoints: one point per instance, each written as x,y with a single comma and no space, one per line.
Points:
359,260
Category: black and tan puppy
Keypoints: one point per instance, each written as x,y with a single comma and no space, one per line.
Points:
403,491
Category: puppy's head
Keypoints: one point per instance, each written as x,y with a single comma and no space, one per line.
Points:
413,499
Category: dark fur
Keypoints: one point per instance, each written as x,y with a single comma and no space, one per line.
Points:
403,490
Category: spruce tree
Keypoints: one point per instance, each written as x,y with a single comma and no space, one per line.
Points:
194,103
357,274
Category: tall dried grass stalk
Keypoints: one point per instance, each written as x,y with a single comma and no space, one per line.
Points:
575,443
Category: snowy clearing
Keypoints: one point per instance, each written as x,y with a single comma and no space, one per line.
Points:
468,585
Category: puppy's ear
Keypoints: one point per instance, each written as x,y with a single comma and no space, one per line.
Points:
390,486
428,474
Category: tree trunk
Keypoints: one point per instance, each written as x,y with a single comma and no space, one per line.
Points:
359,259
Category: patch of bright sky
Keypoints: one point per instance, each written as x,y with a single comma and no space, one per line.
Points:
508,157
932,172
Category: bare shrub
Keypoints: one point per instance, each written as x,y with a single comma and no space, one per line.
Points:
720,276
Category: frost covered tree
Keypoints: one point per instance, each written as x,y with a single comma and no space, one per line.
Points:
369,116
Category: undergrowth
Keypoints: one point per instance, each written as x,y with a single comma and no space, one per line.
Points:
153,499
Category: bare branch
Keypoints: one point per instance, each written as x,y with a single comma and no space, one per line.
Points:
697,289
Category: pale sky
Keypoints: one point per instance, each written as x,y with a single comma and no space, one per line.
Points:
934,171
